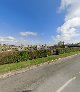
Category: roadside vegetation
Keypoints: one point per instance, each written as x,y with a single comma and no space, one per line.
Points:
12,61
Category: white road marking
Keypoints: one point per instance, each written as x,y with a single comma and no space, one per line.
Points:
79,72
69,81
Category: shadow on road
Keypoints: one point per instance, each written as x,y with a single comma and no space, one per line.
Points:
27,91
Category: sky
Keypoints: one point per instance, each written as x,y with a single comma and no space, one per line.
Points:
39,21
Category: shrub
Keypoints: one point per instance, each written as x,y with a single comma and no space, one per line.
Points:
13,57
20,56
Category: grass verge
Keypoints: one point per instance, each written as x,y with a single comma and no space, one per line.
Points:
16,66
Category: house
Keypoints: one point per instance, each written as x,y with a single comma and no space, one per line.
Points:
42,47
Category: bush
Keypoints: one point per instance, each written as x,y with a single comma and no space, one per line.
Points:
20,56
23,56
13,57
8,57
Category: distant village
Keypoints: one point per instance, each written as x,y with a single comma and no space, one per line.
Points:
5,47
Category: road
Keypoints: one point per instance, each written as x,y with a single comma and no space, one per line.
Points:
62,76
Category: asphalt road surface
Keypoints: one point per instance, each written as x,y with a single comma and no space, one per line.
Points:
62,76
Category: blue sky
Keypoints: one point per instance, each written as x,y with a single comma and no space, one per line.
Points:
40,17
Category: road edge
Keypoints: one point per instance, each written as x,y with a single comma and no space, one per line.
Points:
12,73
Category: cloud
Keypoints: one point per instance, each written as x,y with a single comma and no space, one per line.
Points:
28,34
8,40
18,41
69,31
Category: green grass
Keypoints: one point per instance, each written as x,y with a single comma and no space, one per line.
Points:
16,66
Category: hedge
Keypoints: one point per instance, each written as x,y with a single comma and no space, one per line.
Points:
20,56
